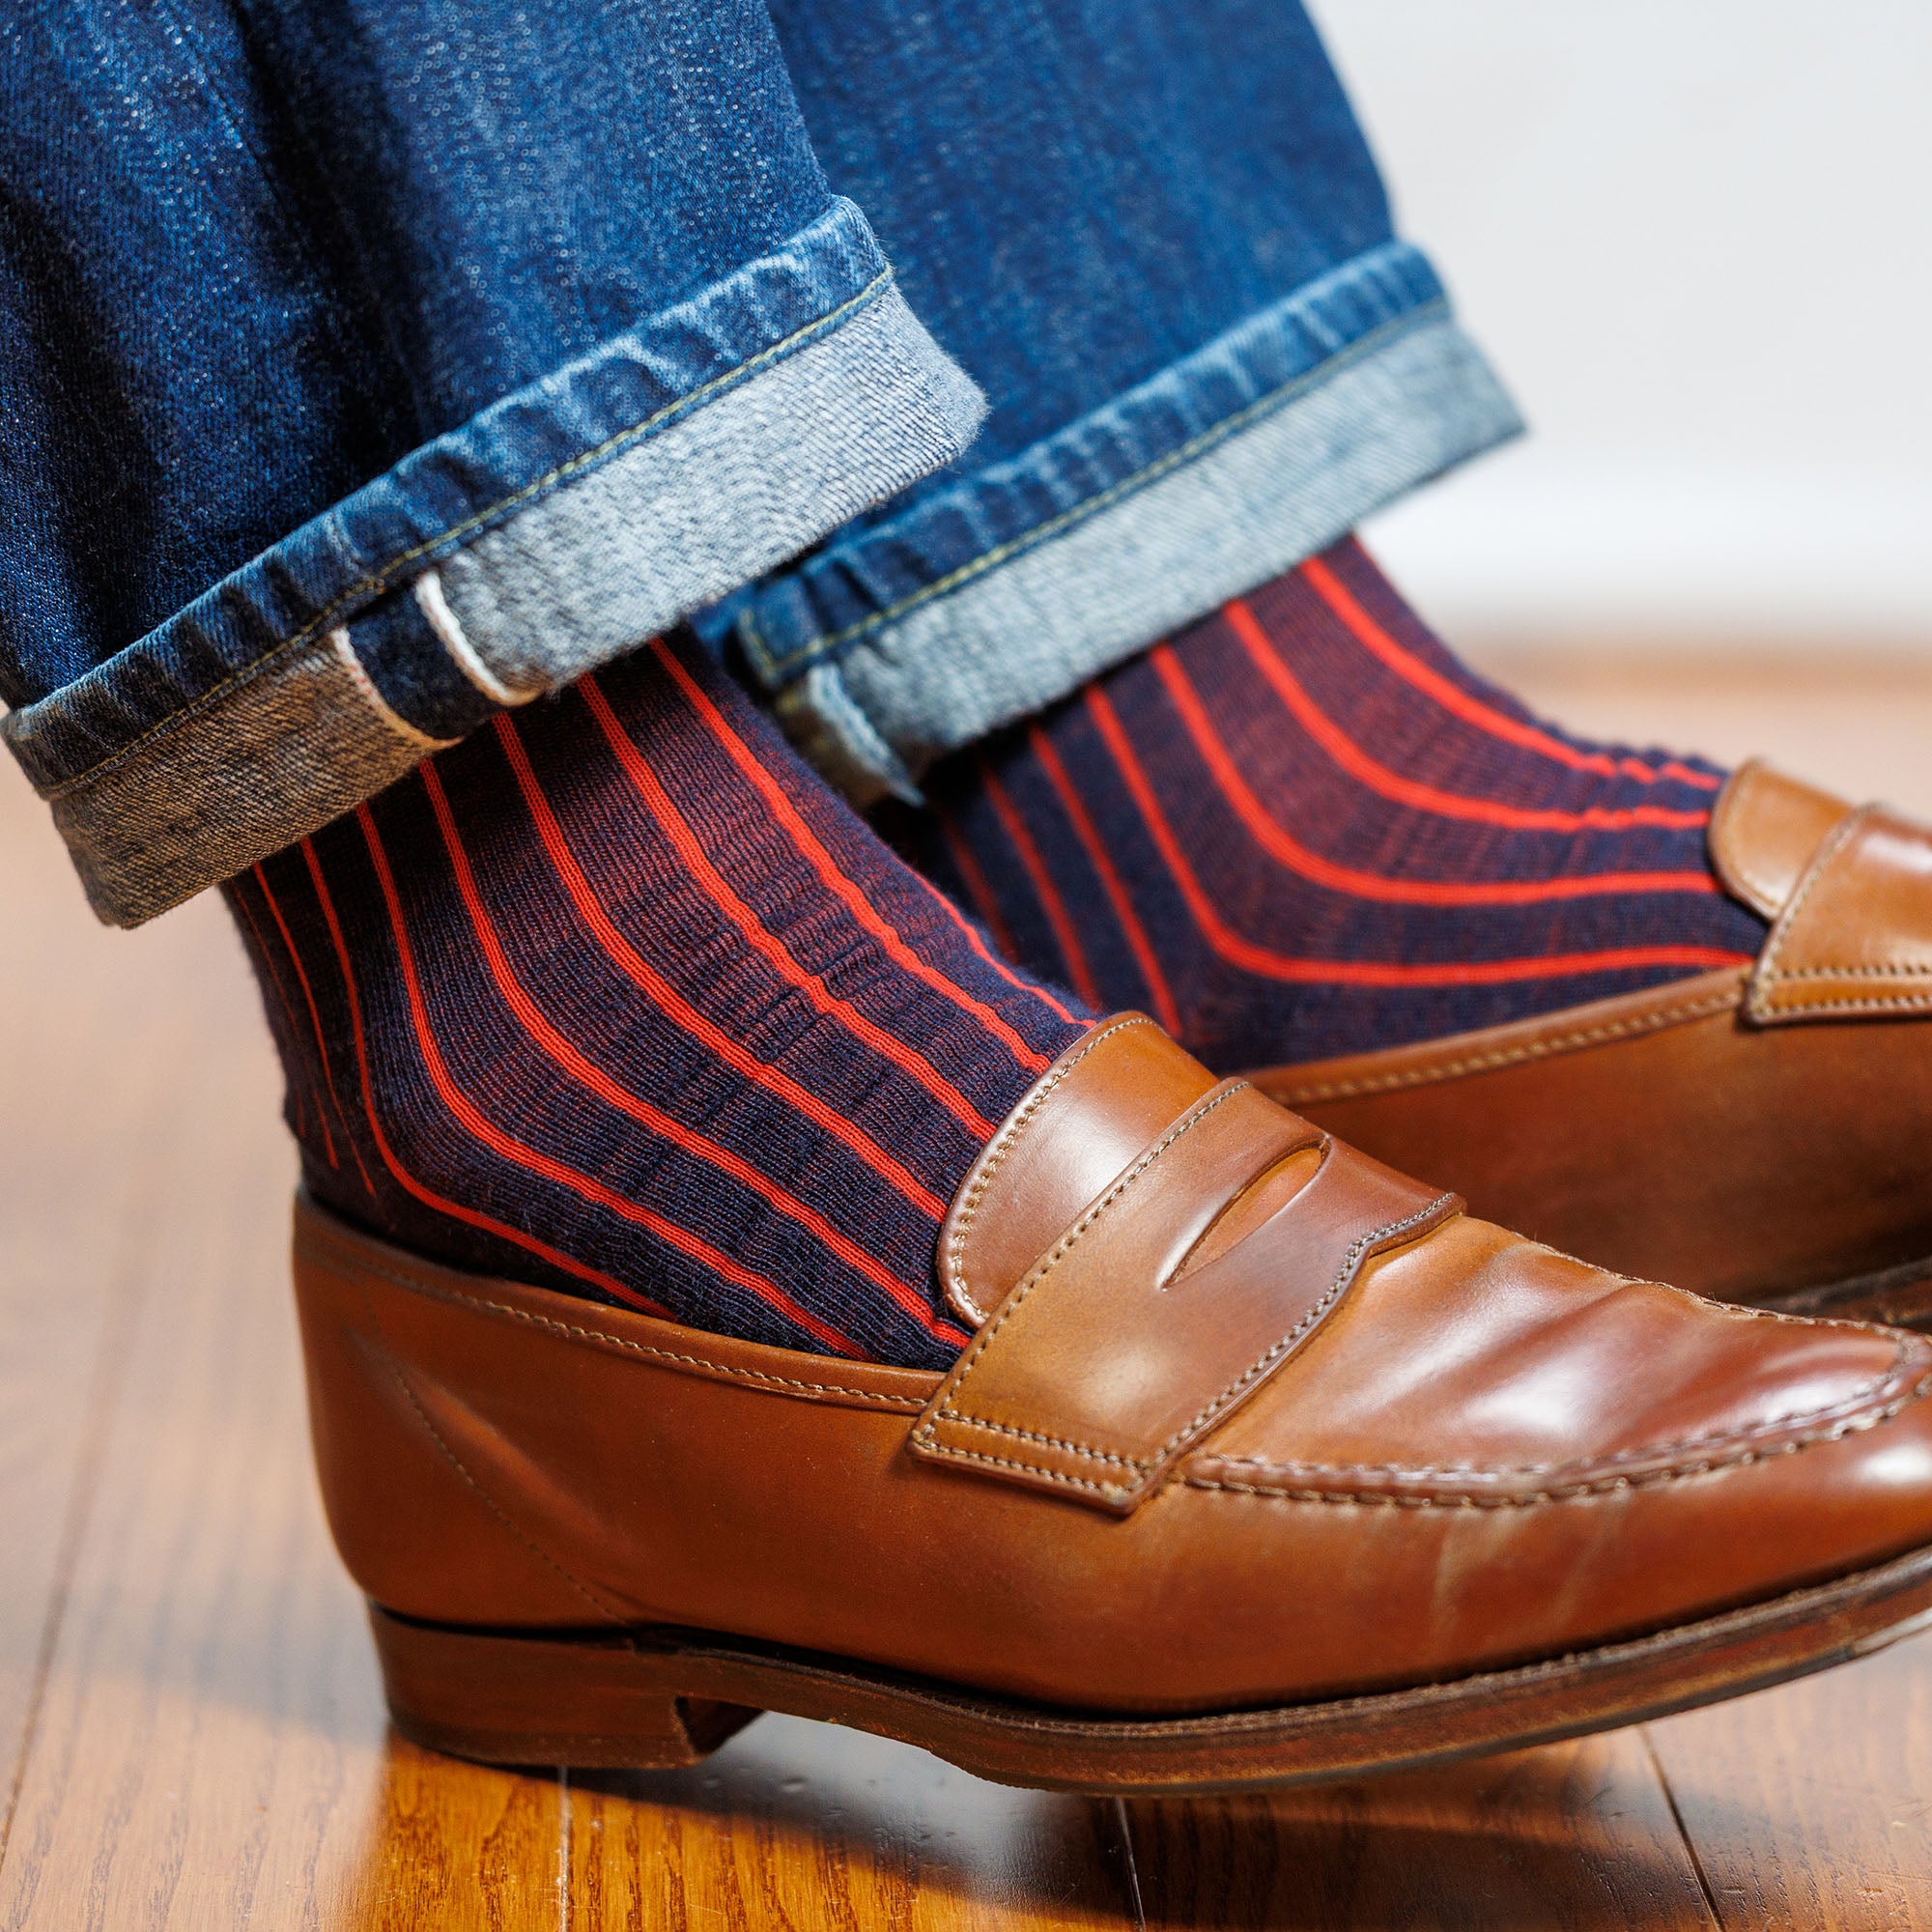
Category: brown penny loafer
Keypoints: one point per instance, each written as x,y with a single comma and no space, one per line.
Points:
1265,1463
1762,1135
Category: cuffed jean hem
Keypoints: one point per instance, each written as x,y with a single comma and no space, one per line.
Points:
555,529
902,642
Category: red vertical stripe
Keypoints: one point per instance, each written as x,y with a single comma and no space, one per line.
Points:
315,1019
1379,777
1267,963
629,961
1042,993
517,997
1453,699
507,1146
288,1021
979,889
808,842
1287,851
1164,1009
697,862
1044,890
455,1211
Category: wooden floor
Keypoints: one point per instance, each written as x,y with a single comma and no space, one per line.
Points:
190,1732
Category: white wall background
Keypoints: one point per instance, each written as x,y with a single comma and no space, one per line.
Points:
1696,237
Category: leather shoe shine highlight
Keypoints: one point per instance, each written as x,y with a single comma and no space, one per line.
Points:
1761,1136
1265,1463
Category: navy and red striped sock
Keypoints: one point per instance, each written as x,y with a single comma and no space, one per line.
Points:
617,997
1301,827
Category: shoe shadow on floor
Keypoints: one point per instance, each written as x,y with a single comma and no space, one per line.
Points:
826,1824
793,1824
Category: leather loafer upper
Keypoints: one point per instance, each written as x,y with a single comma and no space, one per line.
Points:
1752,1134
1247,1419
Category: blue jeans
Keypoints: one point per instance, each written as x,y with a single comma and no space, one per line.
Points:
365,368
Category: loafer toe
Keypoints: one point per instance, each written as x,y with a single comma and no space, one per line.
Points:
1757,1135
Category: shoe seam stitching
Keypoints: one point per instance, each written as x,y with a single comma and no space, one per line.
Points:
925,1433
1209,1103
1761,888
1867,1391
1904,968
1767,975
995,1157
1905,1003
906,1403
1561,1493
456,1462
966,1421
1292,1096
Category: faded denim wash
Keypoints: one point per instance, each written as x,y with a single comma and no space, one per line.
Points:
366,368
1154,237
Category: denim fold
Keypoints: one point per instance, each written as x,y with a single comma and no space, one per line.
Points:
987,600
588,293
558,526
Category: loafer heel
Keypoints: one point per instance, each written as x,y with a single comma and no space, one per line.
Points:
594,1699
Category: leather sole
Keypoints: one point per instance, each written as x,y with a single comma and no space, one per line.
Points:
1899,1296
654,1698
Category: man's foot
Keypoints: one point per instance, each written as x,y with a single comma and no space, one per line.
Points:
1300,828
1264,1463
616,997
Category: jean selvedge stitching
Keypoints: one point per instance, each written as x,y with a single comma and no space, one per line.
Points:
381,579
776,669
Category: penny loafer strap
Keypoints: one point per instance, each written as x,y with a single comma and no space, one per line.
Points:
1137,1332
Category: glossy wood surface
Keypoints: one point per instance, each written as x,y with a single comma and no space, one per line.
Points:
190,1731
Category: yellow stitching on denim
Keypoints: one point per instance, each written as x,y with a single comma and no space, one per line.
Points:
809,654
380,579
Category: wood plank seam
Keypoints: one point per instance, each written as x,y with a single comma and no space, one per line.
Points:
110,1362
1683,1830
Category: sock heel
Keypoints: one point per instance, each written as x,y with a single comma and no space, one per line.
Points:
595,1701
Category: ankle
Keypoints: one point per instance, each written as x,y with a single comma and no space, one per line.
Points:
615,998
1302,828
